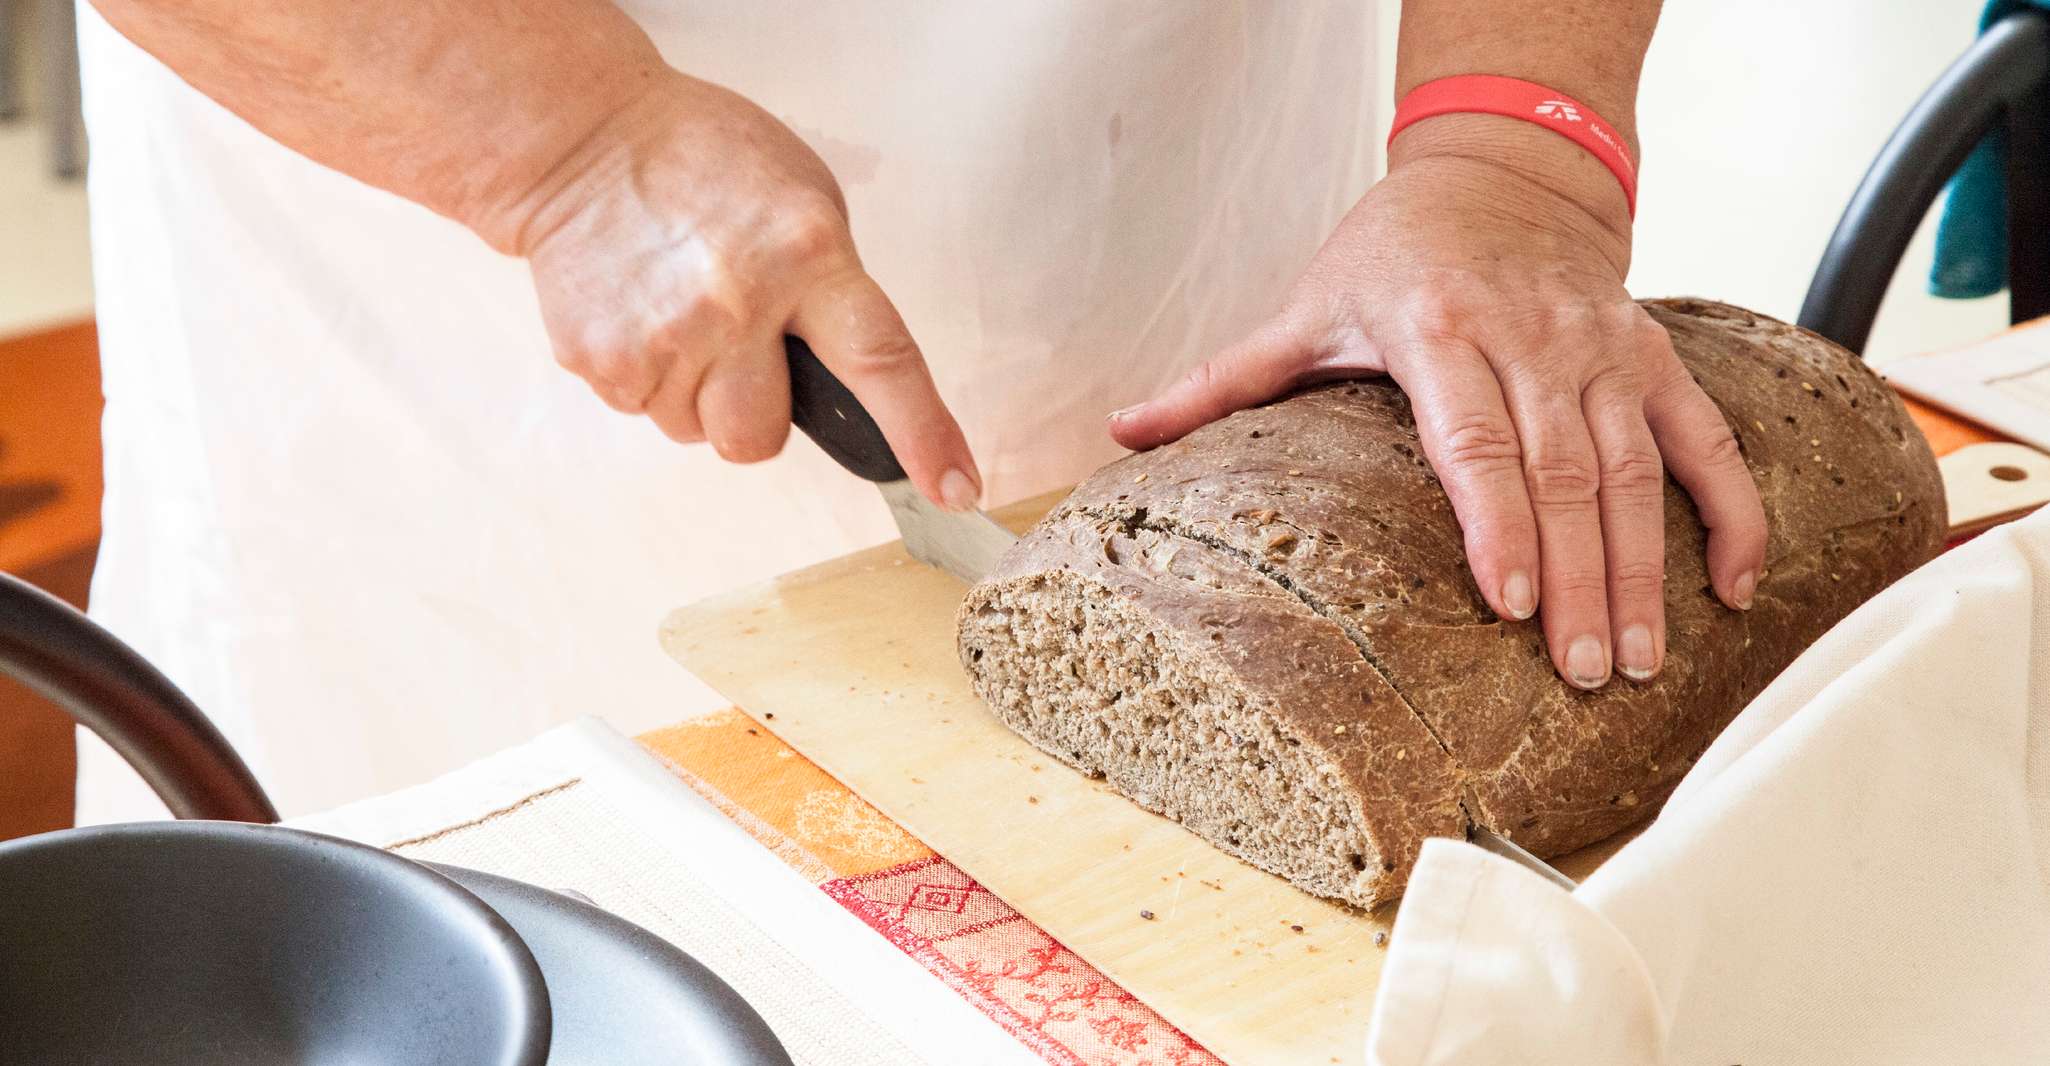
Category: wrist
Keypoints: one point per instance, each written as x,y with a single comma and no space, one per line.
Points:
537,161
536,198
1538,170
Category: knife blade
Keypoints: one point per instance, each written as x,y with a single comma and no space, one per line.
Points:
965,544
1488,840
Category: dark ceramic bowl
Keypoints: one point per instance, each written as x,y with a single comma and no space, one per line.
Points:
179,943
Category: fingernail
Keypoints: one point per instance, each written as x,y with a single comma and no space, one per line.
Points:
958,491
1636,655
1741,592
1121,413
1519,596
1587,665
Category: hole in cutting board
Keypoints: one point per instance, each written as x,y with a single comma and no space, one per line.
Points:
2009,473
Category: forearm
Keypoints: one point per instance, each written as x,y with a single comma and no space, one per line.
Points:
1592,50
464,106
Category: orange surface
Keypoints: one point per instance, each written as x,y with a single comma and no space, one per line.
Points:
786,802
49,535
49,445
1947,432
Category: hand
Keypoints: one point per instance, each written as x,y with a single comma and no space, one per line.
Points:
1485,275
679,243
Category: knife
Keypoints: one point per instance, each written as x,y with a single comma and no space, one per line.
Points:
1491,841
965,544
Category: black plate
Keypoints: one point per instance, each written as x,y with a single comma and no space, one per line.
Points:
223,944
621,995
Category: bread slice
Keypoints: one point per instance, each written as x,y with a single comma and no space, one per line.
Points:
1267,630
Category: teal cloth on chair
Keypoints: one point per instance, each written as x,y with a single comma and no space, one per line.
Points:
1971,235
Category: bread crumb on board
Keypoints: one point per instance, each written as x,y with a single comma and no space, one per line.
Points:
1380,938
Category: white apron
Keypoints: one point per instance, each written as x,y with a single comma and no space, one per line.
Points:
355,509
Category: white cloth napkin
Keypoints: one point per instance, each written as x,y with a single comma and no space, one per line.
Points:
583,808
1855,872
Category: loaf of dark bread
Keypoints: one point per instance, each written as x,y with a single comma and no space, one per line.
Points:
1267,630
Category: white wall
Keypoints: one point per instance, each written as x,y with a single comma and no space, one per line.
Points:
1758,117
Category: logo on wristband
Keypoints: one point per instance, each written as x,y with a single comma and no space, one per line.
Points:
1559,109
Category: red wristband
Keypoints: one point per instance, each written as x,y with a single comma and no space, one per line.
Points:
1488,94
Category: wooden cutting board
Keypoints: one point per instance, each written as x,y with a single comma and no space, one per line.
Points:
852,663
1987,484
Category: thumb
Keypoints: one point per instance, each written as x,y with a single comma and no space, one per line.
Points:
1264,365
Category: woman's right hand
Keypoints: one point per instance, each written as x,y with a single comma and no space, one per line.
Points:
676,245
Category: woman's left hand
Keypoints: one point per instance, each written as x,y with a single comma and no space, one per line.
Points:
1485,275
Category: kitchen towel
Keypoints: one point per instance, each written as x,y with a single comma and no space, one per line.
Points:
1855,871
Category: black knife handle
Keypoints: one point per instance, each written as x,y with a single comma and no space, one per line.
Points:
834,420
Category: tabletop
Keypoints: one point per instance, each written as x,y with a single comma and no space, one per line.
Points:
856,941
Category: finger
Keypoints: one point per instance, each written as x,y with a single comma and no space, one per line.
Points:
1471,443
617,368
1256,370
680,352
1633,513
1706,461
625,402
744,402
859,336
674,406
1561,475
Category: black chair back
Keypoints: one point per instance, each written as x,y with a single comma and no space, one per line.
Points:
2001,82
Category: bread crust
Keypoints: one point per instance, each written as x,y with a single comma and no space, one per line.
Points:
1324,504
